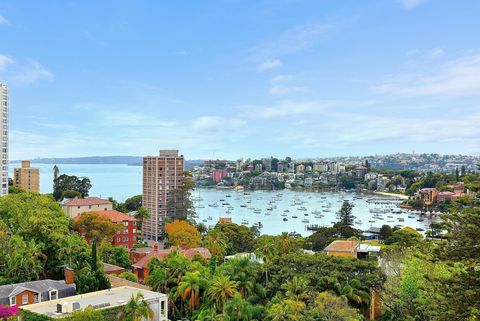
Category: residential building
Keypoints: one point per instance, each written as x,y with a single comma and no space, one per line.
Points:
77,206
140,267
360,171
443,196
427,195
342,248
101,300
24,293
300,168
27,178
267,164
162,175
218,175
4,138
126,237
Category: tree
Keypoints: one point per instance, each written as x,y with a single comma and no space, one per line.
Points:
181,233
24,260
329,307
321,238
157,280
239,238
345,223
70,194
265,250
404,237
87,314
385,232
137,309
133,203
96,228
190,287
72,251
180,205
221,289
287,310
116,255
296,289
347,182
354,293
66,182
238,309
215,243
88,280
141,215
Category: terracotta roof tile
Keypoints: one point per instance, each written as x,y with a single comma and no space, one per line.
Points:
112,215
87,201
160,255
342,246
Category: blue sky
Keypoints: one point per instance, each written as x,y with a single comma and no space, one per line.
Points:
228,79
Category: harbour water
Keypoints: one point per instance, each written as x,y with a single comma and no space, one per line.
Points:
275,210
292,211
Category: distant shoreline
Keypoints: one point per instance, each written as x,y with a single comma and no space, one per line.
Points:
405,197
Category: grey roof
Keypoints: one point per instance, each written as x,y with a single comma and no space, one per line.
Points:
41,286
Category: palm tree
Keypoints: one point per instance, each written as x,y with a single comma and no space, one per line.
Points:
157,280
221,289
141,216
215,242
296,289
207,314
237,309
189,289
265,250
242,272
286,310
137,309
352,291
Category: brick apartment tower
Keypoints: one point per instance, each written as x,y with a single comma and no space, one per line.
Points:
27,178
4,138
161,176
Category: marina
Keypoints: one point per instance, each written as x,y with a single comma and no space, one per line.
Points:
294,211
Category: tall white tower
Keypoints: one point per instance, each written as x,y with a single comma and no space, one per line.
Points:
4,139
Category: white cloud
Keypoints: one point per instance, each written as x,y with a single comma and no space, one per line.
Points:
31,73
269,64
450,77
411,4
216,123
4,62
4,21
292,41
286,108
286,90
280,79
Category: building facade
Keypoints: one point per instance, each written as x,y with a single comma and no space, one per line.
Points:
27,178
161,176
77,206
4,138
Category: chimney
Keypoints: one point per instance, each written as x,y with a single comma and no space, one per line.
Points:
155,247
184,246
69,276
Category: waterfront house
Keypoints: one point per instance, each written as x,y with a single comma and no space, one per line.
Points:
125,237
25,293
77,206
428,196
443,196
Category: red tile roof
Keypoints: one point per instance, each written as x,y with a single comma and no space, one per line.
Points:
87,201
112,215
342,246
160,255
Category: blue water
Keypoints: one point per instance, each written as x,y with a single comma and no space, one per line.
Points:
115,180
122,181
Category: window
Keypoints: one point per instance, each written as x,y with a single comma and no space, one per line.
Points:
24,299
53,294
35,298
13,300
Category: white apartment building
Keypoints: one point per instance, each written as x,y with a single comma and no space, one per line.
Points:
4,138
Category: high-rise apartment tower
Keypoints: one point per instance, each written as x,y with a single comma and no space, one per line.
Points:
161,176
4,139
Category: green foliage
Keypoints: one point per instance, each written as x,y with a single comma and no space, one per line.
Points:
87,314
70,183
70,194
404,237
129,276
385,232
116,255
133,203
137,309
347,182
15,190
32,316
239,238
90,281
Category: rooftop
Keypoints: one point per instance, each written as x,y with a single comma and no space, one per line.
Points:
342,246
86,201
108,298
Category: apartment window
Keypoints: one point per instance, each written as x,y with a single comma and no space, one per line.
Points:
53,294
118,239
125,239
13,300
24,299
